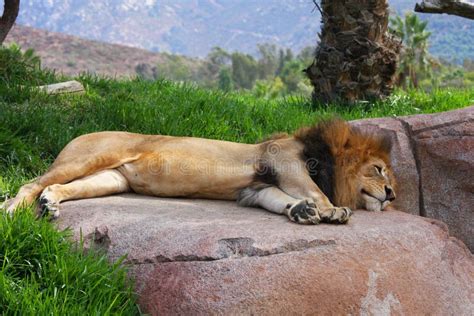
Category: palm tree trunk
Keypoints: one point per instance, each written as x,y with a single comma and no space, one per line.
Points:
356,58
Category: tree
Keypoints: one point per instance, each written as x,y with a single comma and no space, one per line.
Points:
269,89
356,58
10,12
292,75
217,58
145,71
283,58
454,7
225,80
244,70
414,59
306,55
268,61
175,67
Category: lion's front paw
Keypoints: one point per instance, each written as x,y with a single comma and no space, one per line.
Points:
338,215
12,205
303,212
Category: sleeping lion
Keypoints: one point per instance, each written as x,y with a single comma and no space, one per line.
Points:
316,175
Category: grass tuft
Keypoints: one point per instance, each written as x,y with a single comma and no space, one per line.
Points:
42,273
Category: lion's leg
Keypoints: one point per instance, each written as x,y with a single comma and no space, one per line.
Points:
301,186
60,172
26,195
275,200
102,183
83,156
64,170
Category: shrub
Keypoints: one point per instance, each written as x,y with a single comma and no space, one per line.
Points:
17,67
19,71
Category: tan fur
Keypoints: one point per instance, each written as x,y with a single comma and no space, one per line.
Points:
105,163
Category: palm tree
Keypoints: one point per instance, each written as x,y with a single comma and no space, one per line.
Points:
356,58
415,59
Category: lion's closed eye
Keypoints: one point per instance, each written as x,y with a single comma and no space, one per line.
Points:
378,169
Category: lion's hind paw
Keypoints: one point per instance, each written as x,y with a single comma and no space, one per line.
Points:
47,207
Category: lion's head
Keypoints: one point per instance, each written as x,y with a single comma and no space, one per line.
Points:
359,165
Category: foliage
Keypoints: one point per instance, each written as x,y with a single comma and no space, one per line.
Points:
261,74
451,37
23,67
269,89
418,69
174,67
229,71
18,70
41,273
292,74
415,61
225,79
244,70
268,61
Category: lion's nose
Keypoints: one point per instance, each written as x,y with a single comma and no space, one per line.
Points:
389,195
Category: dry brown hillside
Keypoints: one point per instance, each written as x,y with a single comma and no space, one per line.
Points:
72,55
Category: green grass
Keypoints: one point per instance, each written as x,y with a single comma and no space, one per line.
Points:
41,271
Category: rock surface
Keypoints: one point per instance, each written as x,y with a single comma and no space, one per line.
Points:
213,257
445,149
433,159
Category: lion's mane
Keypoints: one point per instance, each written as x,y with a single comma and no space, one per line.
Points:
334,153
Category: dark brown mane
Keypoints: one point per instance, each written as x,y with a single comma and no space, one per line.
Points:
318,157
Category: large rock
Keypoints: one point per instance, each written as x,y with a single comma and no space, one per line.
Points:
433,158
444,148
213,257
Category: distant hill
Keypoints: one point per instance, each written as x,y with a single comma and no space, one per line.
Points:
72,55
193,27
189,27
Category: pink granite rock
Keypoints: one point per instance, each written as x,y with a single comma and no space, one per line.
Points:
444,149
433,158
214,257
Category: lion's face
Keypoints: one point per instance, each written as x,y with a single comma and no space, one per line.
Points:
375,185
363,177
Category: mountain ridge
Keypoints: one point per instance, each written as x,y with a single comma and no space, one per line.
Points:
193,27
72,55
